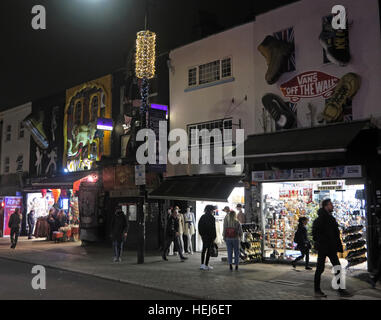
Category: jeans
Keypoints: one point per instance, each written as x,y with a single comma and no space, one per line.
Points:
177,243
304,252
206,247
321,264
118,248
233,244
30,232
14,236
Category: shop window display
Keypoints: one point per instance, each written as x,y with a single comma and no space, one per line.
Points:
285,202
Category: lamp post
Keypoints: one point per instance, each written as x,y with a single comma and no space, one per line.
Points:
144,69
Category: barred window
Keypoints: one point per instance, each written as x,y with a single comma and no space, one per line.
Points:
192,76
226,68
221,125
8,133
6,165
209,72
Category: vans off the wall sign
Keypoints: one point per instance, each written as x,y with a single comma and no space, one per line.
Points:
309,84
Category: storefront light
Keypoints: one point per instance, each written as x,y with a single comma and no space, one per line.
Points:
104,124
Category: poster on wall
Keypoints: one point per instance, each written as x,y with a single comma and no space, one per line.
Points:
84,142
39,203
10,205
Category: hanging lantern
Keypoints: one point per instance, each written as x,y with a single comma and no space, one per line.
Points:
56,194
145,54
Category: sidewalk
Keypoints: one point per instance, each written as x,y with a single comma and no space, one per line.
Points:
253,281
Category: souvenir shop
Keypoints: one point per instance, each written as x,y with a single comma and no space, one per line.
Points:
284,202
196,192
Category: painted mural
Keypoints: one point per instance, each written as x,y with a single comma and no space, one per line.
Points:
83,143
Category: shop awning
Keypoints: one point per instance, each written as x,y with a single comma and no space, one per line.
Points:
59,182
318,143
201,188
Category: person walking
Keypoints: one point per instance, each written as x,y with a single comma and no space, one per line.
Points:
173,235
326,236
207,231
119,229
14,224
232,234
31,222
304,244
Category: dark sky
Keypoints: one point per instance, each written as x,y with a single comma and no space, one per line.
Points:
86,39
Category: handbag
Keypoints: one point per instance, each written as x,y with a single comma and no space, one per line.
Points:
230,233
214,251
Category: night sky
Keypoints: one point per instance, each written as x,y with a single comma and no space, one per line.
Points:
86,39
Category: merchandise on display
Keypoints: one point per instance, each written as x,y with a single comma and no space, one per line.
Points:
251,248
353,242
284,203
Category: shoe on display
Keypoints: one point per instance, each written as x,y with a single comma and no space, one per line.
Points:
353,229
319,293
276,53
356,253
353,237
335,43
344,90
279,110
36,129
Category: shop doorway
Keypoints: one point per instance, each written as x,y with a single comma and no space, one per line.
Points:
283,203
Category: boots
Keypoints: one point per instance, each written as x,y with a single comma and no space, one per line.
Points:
276,53
345,89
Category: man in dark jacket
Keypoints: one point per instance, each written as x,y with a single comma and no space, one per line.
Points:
31,223
326,236
172,234
119,229
207,231
14,224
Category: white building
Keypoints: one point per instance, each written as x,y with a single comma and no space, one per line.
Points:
222,77
15,142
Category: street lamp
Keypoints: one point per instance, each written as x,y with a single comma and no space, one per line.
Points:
144,69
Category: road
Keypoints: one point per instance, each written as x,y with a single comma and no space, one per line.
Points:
16,283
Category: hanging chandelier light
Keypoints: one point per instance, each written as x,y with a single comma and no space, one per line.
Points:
145,54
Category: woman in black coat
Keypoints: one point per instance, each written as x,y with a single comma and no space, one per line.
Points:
119,229
304,245
207,231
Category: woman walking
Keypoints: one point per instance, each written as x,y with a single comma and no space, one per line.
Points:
232,234
304,244
207,231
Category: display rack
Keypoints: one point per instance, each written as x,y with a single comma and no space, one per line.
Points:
251,246
355,245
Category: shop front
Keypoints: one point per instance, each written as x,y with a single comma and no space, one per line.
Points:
293,171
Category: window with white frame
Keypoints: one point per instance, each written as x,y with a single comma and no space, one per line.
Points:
21,129
192,76
8,134
196,139
210,72
6,165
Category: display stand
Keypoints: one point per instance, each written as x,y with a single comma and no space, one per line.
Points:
251,248
355,245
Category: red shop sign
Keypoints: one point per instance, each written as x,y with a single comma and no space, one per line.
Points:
309,84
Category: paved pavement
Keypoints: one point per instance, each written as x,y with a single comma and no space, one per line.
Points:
252,282
16,284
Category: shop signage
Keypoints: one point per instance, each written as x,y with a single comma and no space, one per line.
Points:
309,84
308,173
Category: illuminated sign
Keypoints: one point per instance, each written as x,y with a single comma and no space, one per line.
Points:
104,124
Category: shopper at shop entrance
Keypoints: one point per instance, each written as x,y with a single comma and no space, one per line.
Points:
119,229
208,233
240,215
14,224
303,244
31,223
232,235
173,234
326,236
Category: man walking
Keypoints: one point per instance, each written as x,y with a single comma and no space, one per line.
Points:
31,223
326,236
119,229
14,224
173,234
